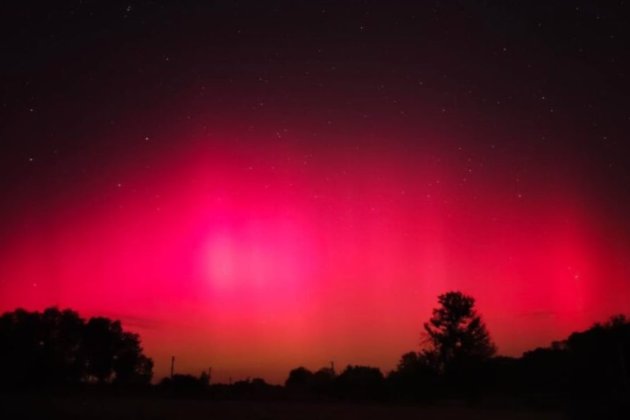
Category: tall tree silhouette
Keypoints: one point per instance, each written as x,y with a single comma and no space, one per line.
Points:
457,336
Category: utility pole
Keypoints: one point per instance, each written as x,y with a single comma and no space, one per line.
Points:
172,366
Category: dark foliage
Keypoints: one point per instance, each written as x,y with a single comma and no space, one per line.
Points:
57,347
361,383
458,363
255,389
415,377
185,384
585,372
600,355
457,346
591,363
457,337
354,383
300,380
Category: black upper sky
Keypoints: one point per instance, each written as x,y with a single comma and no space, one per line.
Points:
547,81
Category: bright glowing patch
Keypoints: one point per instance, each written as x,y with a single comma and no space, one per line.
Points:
222,262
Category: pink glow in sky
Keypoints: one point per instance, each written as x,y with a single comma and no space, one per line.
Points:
255,260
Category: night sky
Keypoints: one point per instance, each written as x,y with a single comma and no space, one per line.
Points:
255,186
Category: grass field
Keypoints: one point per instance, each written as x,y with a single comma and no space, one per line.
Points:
174,409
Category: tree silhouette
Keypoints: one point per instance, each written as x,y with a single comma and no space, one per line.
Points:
130,365
99,348
64,333
41,348
600,355
58,347
456,334
112,355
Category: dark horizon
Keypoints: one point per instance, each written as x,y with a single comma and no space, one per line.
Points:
62,366
56,327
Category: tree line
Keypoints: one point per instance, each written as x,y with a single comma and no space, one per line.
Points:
457,360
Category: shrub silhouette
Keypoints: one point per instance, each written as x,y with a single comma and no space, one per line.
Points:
415,376
323,381
300,380
181,384
360,383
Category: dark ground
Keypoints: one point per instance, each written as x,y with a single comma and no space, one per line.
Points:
15,407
